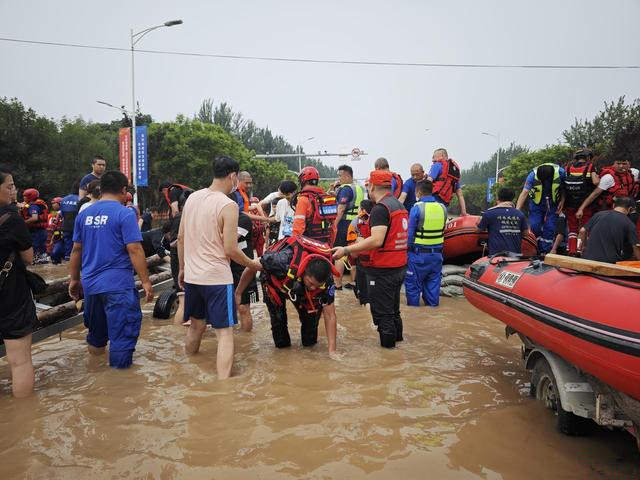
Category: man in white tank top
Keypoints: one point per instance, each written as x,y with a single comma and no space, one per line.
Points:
207,241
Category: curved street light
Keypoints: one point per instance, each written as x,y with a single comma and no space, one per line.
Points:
135,38
300,143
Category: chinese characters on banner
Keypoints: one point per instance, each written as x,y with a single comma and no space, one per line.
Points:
491,181
142,161
124,151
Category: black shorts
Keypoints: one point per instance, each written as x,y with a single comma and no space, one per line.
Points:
250,294
341,235
19,323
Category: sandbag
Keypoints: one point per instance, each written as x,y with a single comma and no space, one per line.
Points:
453,270
451,291
452,280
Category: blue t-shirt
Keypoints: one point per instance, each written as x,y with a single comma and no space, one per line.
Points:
239,200
345,197
35,209
436,171
546,187
409,187
104,229
505,226
69,209
414,218
86,180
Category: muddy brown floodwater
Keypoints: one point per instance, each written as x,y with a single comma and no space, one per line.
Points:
450,403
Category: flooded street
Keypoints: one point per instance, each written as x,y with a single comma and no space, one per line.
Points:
450,403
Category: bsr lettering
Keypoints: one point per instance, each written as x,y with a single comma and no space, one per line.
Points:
96,220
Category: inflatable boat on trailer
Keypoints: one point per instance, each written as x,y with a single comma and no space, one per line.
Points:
589,320
464,243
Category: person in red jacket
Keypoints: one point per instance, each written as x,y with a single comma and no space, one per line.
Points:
387,262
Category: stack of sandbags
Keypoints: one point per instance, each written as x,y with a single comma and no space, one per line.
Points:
452,276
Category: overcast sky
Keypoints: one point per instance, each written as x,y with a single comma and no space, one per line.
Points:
381,109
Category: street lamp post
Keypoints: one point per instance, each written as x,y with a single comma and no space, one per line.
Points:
300,143
135,38
497,136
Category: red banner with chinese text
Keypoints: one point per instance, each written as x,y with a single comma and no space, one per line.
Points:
124,151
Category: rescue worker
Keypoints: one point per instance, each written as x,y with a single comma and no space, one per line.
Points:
396,180
314,217
445,176
172,193
299,269
580,180
387,262
245,184
358,231
617,180
314,210
543,188
69,210
55,244
426,237
349,195
36,215
408,195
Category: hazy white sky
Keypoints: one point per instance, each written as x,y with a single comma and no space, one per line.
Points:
384,110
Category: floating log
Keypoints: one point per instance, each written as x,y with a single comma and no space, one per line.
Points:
53,314
62,284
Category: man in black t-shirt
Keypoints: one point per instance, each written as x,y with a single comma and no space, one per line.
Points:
612,235
250,294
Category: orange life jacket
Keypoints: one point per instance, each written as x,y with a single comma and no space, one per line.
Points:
393,252
324,209
43,217
291,285
171,187
399,183
445,184
54,229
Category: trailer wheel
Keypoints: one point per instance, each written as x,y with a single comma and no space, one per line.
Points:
544,388
166,305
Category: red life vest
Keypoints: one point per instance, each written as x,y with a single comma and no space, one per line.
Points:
445,184
364,230
43,217
393,252
623,186
304,250
578,184
54,229
171,187
324,209
399,183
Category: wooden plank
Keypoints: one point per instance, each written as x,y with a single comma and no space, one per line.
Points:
582,265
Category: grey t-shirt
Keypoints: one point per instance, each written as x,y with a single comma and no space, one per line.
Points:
612,236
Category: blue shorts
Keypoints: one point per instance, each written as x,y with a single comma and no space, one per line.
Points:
213,303
114,317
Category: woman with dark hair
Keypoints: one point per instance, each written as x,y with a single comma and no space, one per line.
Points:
18,313
93,195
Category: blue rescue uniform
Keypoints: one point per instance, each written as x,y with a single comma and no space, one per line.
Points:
426,237
69,210
543,206
112,308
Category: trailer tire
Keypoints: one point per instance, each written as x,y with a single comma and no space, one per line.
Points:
166,305
544,387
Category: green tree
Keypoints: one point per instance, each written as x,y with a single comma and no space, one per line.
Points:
480,171
523,164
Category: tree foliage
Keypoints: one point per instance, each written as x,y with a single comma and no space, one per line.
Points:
523,164
613,132
259,140
480,171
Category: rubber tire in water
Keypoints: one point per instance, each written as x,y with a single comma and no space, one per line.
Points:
166,305
544,387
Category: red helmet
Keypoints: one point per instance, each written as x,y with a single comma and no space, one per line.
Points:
129,197
57,200
307,174
254,200
30,194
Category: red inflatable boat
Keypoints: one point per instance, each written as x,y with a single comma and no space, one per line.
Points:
463,242
591,321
